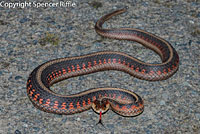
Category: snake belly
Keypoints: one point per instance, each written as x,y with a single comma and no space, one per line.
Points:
122,101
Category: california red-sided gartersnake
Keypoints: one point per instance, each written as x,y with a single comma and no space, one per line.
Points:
121,101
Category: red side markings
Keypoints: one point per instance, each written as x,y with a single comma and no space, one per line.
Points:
147,39
119,97
59,73
125,98
110,95
119,61
124,62
124,108
69,70
109,60
133,107
114,60
94,98
28,88
73,68
89,101
78,67
95,62
35,97
173,66
114,96
137,69
40,101
151,72
159,72
117,106
28,82
132,67
83,66
71,106
56,74
104,61
143,71
137,108
51,77
63,105
31,92
100,62
64,71
55,105
84,104
47,102
89,64
164,71
78,105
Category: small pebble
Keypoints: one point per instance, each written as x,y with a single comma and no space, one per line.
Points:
17,132
18,77
23,20
162,102
78,119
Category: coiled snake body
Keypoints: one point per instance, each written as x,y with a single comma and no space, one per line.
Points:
121,101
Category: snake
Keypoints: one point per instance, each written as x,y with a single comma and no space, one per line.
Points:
122,101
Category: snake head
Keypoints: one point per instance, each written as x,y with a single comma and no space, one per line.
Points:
101,106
